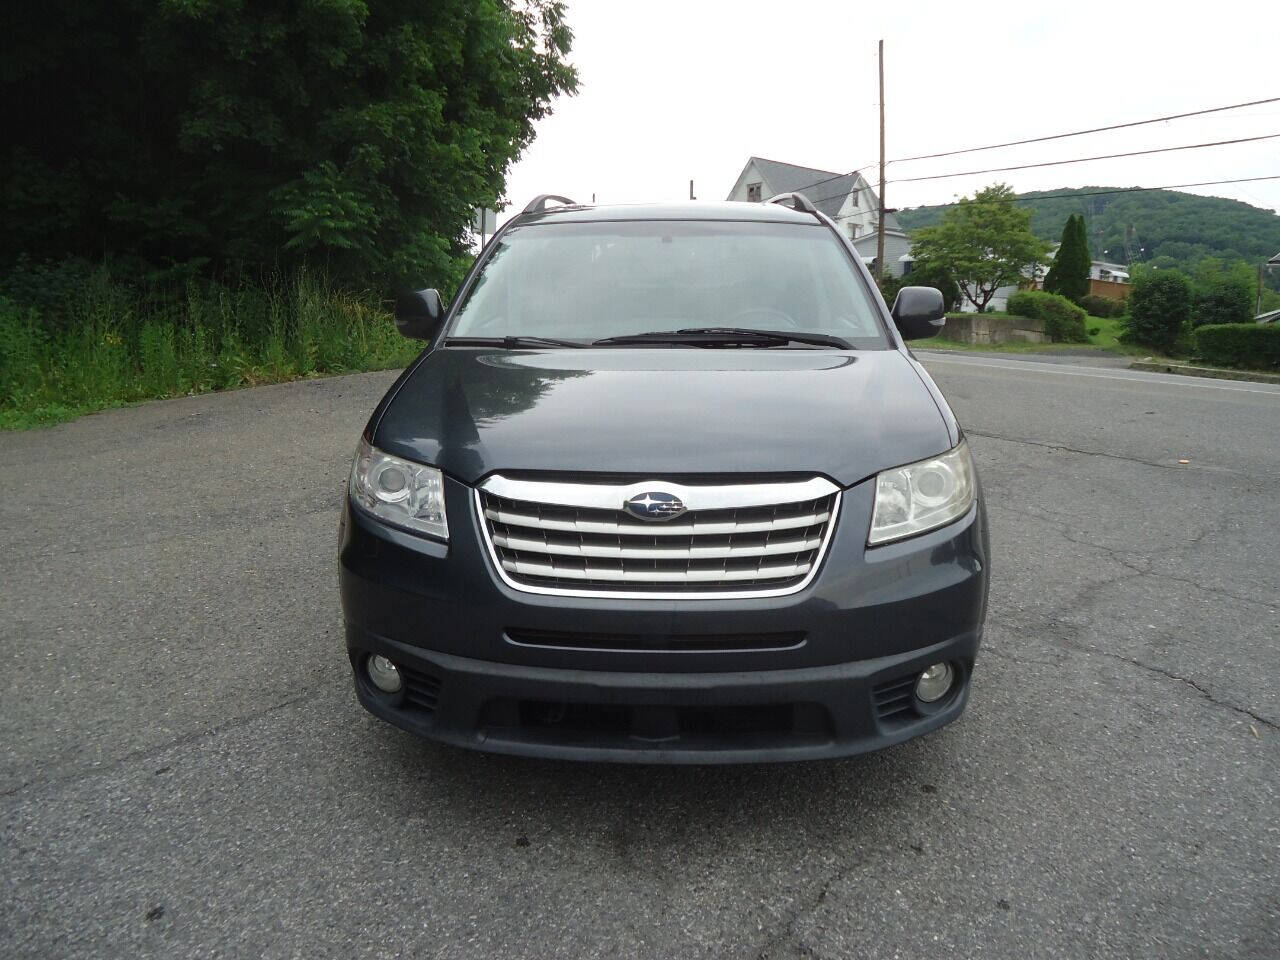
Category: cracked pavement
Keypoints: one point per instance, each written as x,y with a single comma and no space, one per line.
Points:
185,772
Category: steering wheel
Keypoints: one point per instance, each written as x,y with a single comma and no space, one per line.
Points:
774,319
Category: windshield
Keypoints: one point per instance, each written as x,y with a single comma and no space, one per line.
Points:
588,281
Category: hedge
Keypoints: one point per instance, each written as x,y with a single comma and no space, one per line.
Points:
1159,310
1255,345
1063,320
1222,300
1097,306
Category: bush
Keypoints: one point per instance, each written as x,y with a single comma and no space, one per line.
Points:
889,287
1063,320
1159,310
935,275
1223,299
1254,345
1097,306
924,275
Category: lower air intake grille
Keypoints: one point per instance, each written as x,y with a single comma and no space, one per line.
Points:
563,546
693,642
421,690
895,700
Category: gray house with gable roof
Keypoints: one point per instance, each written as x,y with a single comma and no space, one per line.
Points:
847,198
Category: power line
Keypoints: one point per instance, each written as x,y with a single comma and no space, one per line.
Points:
1102,193
1081,133
1099,193
1107,156
1056,136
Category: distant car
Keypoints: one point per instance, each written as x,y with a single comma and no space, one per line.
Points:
667,486
1272,316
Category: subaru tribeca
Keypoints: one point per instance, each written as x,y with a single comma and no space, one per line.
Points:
666,486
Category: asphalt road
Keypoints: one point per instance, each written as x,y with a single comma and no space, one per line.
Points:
184,771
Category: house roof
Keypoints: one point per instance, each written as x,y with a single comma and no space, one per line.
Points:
825,189
869,241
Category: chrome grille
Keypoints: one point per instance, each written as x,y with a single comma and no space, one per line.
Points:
735,539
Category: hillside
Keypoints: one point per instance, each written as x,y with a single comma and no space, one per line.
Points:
1182,227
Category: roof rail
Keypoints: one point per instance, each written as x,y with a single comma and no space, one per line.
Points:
539,203
796,201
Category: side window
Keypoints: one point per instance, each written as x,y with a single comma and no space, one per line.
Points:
753,192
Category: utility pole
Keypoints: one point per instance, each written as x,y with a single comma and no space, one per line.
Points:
880,225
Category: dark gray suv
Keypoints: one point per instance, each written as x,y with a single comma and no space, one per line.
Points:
666,486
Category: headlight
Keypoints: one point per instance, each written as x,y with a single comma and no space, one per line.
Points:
922,496
399,492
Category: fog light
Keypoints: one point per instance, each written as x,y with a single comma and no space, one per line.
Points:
934,682
383,673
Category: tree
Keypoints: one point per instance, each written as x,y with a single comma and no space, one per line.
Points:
1069,273
1159,309
1053,278
355,134
984,243
1138,225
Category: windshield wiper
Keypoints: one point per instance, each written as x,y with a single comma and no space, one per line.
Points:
727,335
511,343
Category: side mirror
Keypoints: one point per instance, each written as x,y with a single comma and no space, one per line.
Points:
418,314
919,312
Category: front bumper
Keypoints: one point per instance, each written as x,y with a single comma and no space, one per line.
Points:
859,634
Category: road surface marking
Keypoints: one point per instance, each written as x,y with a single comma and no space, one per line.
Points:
1100,373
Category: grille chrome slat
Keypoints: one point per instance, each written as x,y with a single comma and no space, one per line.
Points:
697,497
655,576
729,551
745,540
666,529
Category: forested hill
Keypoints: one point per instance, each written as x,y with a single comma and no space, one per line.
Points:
1182,227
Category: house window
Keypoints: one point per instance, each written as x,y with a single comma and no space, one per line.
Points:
906,267
753,192
853,231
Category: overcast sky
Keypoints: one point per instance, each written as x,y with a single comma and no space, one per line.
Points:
673,91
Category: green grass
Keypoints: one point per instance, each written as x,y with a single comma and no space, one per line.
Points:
105,343
1108,335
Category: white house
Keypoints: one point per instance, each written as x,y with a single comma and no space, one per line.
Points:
1109,275
1098,269
1115,272
847,198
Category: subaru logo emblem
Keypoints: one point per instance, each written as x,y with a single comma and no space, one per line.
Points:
653,505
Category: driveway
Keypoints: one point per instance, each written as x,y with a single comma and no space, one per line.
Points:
184,771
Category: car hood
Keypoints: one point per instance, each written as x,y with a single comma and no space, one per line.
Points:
663,413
